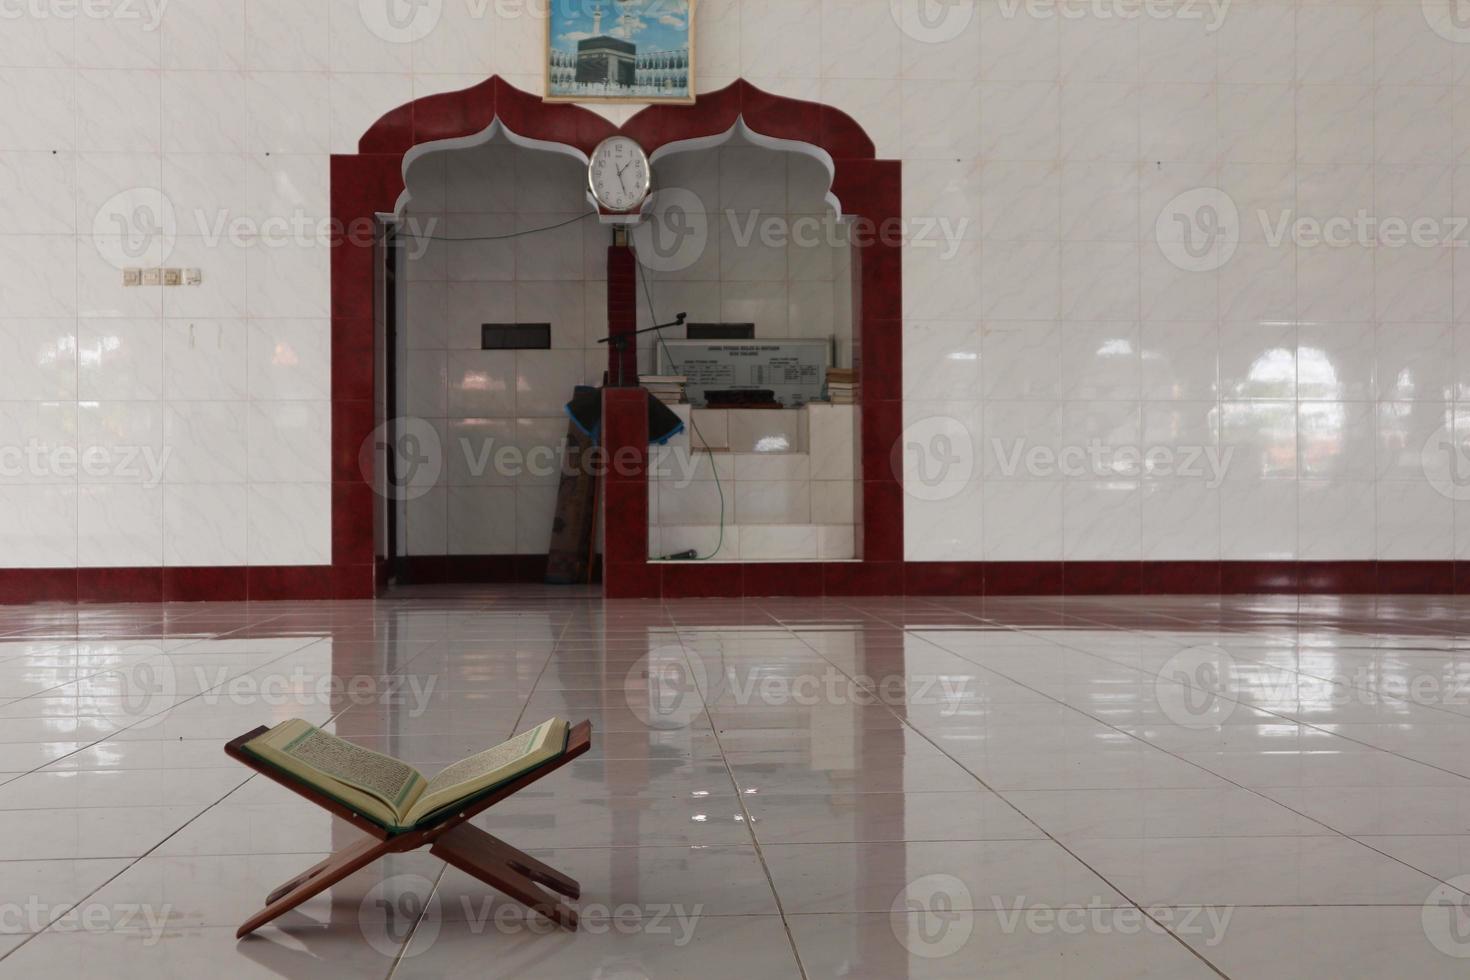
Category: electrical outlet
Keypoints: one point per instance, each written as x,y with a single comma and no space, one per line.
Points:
193,277
132,277
173,277
153,277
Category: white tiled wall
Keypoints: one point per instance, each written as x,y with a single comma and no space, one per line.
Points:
771,252
1314,375
766,249
1056,317
483,402
773,485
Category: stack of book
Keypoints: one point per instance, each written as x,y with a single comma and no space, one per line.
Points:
667,388
842,386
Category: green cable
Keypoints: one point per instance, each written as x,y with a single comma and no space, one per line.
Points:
714,470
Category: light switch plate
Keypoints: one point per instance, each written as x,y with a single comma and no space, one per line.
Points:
153,277
193,277
132,277
173,277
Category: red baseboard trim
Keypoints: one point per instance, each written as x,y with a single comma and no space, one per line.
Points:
25,585
120,585
206,584
259,583
1054,578
481,569
233,583
748,580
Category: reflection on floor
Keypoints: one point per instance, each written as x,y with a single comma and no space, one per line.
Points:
782,788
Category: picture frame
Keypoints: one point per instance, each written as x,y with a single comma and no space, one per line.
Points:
628,52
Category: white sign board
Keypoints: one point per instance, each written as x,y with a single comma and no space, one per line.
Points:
796,370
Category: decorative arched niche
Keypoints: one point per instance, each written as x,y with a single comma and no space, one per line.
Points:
370,183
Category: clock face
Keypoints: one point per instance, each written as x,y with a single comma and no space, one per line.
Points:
618,174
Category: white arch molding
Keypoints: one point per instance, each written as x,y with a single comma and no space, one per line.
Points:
737,131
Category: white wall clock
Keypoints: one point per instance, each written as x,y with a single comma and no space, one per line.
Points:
618,175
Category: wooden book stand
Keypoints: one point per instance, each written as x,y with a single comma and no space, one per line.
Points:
449,837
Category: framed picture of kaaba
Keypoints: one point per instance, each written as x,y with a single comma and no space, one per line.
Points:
620,51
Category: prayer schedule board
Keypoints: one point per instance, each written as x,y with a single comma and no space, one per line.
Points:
796,370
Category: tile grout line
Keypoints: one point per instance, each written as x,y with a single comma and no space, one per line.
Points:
114,734
745,813
1049,836
1253,707
1202,768
1019,811
134,860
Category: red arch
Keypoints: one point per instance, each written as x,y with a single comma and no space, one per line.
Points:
450,115
371,180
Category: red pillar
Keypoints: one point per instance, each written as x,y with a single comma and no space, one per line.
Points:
626,572
622,313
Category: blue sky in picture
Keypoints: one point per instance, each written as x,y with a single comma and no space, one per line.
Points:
656,25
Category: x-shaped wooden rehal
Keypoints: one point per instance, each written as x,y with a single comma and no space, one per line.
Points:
449,837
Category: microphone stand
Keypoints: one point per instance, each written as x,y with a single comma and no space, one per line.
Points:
619,341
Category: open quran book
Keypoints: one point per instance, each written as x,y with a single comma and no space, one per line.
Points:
394,793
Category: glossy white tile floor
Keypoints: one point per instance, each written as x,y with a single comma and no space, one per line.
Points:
784,788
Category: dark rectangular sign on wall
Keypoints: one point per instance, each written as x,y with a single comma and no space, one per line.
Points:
721,331
515,336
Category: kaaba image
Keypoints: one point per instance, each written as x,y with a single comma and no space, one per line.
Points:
620,51
607,61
